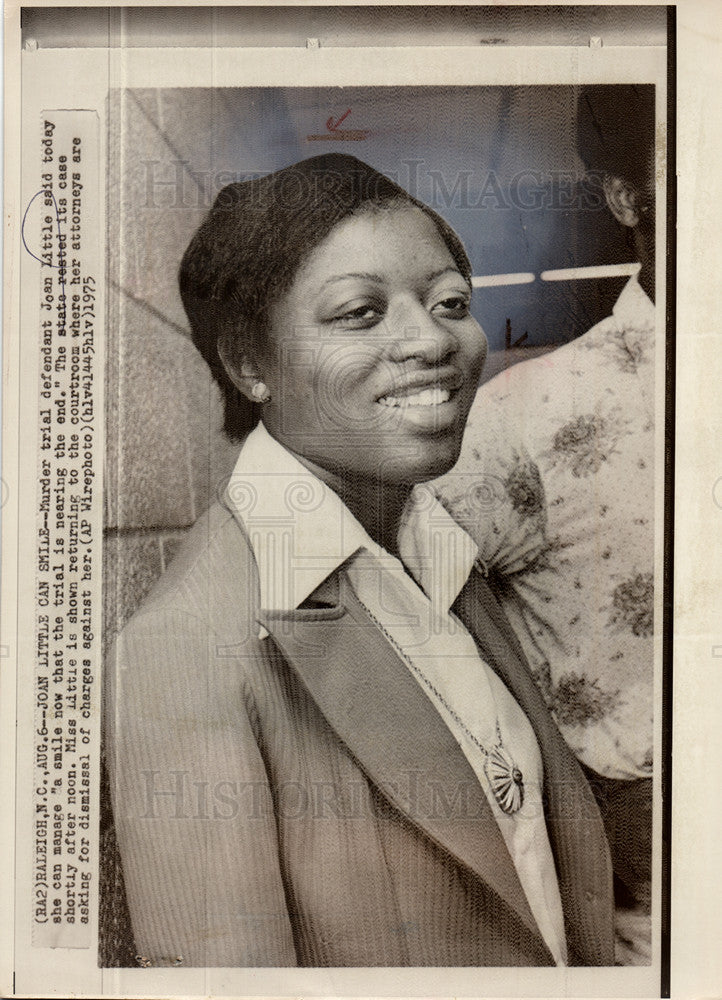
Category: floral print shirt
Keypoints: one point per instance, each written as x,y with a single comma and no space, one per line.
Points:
555,483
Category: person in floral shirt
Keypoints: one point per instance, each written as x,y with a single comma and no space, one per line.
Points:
555,483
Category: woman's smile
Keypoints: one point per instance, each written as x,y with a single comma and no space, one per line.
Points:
434,395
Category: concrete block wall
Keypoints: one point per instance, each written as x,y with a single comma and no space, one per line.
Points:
165,450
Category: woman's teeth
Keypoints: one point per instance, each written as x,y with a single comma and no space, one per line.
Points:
426,397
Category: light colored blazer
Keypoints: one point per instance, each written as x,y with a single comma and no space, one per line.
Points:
298,800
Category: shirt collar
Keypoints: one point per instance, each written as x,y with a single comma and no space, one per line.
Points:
301,531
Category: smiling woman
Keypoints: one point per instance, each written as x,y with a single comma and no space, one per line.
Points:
326,745
383,313
397,336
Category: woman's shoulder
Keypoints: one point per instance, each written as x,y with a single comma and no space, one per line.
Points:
212,577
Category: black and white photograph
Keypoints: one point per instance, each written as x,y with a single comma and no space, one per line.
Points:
332,679
351,424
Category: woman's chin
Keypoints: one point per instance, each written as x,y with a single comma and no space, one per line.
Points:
390,459
435,462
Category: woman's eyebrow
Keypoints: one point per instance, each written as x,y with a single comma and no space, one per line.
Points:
367,276
434,275
354,274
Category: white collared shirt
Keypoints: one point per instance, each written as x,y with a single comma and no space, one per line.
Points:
301,532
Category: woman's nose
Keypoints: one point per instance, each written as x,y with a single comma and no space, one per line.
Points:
418,334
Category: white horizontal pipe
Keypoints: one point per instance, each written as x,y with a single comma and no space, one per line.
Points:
600,271
492,280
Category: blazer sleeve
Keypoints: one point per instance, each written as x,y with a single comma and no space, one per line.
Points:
192,803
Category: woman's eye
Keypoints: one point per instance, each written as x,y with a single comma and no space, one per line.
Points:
453,307
358,318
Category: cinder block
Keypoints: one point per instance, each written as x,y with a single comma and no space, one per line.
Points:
154,207
212,455
169,542
150,372
131,565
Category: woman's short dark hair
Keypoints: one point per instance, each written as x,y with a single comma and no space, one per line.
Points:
257,235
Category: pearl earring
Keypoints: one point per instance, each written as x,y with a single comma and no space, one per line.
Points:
260,392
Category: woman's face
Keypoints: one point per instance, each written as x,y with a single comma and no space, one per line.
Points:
372,358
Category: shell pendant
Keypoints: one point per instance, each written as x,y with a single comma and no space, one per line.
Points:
506,780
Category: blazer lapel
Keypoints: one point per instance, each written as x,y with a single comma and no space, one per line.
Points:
575,826
372,701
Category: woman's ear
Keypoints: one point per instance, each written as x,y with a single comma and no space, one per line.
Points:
241,369
623,200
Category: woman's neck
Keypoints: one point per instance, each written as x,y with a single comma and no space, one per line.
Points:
377,506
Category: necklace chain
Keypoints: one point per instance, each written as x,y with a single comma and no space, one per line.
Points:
432,687
505,779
